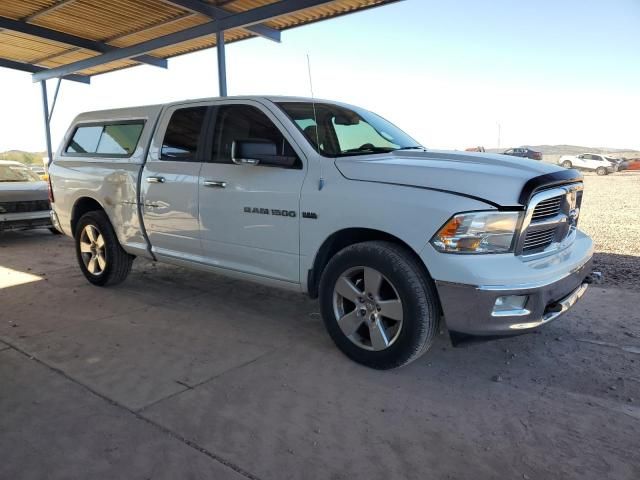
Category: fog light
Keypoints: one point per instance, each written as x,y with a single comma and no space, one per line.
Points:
510,306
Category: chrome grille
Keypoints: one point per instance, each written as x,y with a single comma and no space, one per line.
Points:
547,208
550,221
539,239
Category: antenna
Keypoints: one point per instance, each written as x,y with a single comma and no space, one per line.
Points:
315,119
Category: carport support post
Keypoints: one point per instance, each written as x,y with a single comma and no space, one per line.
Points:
222,64
45,112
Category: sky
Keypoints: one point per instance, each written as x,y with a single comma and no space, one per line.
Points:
451,74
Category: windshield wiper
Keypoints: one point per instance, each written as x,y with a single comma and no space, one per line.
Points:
415,147
369,149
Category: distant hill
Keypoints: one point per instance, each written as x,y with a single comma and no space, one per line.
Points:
32,158
551,153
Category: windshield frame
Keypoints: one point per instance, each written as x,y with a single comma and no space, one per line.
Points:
357,110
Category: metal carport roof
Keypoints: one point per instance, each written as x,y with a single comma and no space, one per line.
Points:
57,38
76,39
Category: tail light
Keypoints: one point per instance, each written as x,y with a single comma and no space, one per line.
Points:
51,199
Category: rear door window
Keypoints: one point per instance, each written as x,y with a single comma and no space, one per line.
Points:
183,134
109,139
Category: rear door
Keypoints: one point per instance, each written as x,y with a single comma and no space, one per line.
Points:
169,187
250,214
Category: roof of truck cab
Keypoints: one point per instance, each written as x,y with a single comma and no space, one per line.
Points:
150,110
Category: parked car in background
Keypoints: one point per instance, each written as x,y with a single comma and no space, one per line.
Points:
474,149
523,152
589,161
621,163
332,200
24,199
634,164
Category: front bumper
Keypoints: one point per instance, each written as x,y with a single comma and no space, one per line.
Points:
469,309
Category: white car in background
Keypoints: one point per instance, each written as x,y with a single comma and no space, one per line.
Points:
589,161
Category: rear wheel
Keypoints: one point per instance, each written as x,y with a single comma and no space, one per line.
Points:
377,304
567,164
601,171
100,256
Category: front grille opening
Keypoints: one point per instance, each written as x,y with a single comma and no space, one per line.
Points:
547,208
538,240
22,207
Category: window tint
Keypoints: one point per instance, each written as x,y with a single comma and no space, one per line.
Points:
243,122
85,140
118,139
183,134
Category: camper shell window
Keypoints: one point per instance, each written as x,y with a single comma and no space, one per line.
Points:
108,139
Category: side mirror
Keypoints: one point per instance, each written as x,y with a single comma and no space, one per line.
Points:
254,152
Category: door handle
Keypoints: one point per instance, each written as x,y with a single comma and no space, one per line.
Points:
214,183
155,179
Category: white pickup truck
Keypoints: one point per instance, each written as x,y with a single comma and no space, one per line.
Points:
397,241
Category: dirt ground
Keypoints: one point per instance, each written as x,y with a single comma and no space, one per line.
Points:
177,374
611,215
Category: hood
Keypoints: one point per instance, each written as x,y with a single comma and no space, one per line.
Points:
23,191
496,179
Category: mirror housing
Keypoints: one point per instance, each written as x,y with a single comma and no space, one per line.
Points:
258,151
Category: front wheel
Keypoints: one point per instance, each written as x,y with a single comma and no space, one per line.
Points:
601,171
378,305
100,256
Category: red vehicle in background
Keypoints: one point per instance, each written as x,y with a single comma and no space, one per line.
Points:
634,164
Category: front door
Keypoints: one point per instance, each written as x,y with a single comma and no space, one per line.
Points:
250,214
169,185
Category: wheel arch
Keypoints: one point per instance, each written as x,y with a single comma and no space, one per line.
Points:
81,206
344,238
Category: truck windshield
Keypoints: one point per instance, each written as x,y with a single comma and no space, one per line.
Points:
341,131
17,173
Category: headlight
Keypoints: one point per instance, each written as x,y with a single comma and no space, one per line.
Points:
478,232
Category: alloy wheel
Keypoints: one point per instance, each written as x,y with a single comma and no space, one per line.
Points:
367,308
92,250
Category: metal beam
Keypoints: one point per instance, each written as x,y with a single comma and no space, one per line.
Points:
222,64
214,12
47,129
27,67
237,20
73,40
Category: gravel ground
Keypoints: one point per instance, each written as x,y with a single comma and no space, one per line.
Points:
611,215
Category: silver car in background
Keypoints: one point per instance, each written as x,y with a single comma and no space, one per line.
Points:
24,198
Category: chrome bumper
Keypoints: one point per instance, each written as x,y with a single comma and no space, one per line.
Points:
469,309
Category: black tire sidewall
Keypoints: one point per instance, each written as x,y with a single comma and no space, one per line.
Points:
419,315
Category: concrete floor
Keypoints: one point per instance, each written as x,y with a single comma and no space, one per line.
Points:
179,374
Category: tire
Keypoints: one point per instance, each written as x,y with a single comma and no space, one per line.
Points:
100,256
567,164
401,280
601,171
